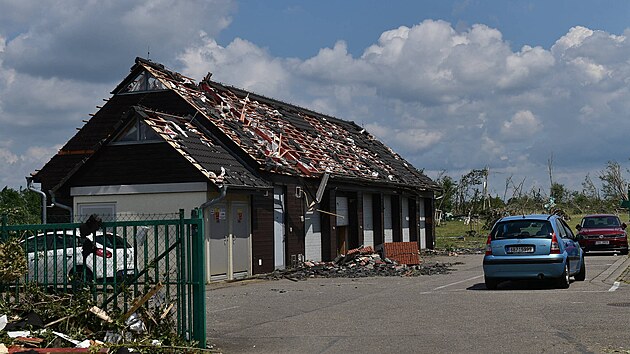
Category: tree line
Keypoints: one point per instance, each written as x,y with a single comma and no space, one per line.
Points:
469,195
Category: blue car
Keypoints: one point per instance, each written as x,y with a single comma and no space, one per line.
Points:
532,247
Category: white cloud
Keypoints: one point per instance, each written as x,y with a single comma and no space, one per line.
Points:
444,98
241,63
440,96
522,125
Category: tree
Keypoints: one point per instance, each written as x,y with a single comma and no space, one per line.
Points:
21,207
614,185
449,190
559,193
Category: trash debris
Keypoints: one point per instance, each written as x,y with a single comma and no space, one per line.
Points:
135,324
54,322
357,263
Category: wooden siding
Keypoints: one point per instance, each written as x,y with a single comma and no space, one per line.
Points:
294,224
136,164
262,233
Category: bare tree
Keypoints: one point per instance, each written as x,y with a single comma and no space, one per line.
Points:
550,169
614,185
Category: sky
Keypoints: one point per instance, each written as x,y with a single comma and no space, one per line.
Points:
449,85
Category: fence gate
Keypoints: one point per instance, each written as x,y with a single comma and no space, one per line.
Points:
119,262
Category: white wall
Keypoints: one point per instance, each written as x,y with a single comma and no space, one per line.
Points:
144,198
158,203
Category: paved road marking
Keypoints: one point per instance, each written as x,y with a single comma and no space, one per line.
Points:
457,282
615,286
221,310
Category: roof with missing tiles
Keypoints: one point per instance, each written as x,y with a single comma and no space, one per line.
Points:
201,150
283,138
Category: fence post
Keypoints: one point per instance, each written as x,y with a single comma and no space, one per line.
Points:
199,277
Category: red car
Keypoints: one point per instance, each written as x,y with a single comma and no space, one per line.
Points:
602,232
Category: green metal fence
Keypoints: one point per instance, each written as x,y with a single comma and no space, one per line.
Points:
120,262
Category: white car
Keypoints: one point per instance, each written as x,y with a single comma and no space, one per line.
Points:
57,258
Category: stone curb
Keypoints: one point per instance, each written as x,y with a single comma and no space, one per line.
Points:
610,275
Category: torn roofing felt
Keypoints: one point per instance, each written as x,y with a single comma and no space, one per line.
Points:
286,139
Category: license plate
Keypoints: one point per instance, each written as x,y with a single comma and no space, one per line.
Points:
520,249
602,242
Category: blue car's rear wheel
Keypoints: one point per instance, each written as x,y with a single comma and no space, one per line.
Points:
491,284
581,275
563,281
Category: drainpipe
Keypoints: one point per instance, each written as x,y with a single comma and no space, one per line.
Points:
29,185
220,197
62,206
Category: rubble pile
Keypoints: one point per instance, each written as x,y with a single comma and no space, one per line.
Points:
358,263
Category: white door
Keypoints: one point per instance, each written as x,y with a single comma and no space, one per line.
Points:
368,220
422,222
313,239
405,219
239,217
217,240
387,218
278,228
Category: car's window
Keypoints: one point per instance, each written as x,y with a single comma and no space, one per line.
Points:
108,241
40,243
561,229
67,241
567,230
602,222
522,228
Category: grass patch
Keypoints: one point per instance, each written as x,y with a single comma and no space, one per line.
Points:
455,234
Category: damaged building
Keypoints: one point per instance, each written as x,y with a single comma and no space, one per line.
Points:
277,183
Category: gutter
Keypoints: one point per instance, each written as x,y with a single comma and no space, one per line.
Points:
29,185
62,206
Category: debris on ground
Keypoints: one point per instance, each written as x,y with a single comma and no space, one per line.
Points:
60,322
451,252
357,263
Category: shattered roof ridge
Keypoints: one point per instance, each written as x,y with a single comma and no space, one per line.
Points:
278,101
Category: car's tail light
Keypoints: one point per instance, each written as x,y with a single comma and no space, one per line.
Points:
555,247
103,253
489,245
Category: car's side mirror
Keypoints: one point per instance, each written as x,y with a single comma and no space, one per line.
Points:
578,227
623,225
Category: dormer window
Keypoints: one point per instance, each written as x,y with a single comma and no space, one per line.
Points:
143,82
136,133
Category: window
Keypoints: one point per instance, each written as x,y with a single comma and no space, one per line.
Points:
137,132
143,82
522,228
106,211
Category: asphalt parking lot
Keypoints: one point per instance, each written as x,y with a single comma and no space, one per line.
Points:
427,314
